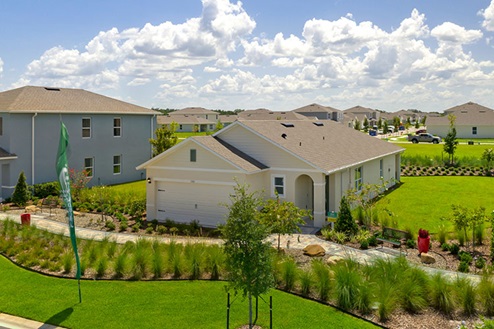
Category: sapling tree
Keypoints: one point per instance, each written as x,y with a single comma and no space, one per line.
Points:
366,124
366,198
345,222
464,219
165,138
248,254
78,181
356,124
488,157
282,217
450,141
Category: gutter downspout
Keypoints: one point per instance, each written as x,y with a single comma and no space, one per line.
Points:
152,135
32,148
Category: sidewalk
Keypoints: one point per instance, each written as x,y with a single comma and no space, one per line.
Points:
14,322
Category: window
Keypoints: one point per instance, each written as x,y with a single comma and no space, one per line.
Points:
86,127
89,166
210,127
358,179
117,164
180,128
381,168
117,127
1,126
474,130
279,186
193,155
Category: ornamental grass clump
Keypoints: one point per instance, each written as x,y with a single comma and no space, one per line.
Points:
441,294
347,282
289,274
466,295
306,279
323,280
215,261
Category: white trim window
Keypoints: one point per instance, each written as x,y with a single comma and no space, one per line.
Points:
89,166
193,155
86,127
381,169
474,130
117,127
278,182
117,164
359,179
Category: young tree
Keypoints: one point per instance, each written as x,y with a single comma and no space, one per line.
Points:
450,141
282,217
356,124
366,198
165,138
219,126
366,124
465,219
344,221
396,122
424,119
385,127
379,123
21,194
78,181
248,255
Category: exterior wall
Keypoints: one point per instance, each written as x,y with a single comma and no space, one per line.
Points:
463,131
133,146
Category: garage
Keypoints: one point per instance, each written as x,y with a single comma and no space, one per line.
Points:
192,200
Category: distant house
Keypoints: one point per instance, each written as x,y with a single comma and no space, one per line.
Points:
320,112
310,163
359,113
191,119
108,137
265,114
472,121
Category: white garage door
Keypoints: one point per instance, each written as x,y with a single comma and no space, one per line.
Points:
185,202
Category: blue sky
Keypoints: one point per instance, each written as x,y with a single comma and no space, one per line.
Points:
280,55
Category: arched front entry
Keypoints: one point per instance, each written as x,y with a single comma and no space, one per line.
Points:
304,193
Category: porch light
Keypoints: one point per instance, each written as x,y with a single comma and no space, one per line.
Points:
149,180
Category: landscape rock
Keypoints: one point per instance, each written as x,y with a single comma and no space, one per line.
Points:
333,260
31,209
427,258
314,250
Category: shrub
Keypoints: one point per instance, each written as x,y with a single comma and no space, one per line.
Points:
442,298
136,227
454,249
149,230
21,193
109,224
480,263
463,267
344,221
364,245
123,226
465,257
161,229
373,241
44,190
411,244
445,247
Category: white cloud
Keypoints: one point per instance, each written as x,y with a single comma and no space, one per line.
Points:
1,66
413,27
452,33
488,15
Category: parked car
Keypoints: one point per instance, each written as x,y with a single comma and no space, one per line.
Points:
421,131
424,137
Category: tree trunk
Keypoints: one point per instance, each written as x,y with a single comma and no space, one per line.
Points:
279,238
250,310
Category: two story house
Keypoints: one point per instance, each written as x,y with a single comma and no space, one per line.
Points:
108,137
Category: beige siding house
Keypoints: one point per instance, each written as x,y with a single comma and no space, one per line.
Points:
310,163
472,121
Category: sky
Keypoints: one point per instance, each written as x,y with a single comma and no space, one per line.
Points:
280,55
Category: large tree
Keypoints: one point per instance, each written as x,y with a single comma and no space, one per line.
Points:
248,254
282,217
165,138
450,141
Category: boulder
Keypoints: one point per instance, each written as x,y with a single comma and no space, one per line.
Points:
427,258
333,260
31,209
314,250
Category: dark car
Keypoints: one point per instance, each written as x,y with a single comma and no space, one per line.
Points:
421,131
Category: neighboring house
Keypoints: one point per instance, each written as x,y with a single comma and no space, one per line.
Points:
108,137
472,121
192,119
310,163
264,114
320,112
360,113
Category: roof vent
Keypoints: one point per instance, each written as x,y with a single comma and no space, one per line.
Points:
283,136
52,89
319,124
481,111
287,124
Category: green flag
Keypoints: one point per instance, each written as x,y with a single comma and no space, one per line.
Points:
63,178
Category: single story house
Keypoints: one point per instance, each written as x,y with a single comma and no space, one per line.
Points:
108,137
320,112
310,163
472,121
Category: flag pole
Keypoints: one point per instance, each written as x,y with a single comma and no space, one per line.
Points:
64,180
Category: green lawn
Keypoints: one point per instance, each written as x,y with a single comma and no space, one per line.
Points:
432,150
152,304
420,202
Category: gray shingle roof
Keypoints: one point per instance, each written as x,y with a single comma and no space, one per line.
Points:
466,114
182,119
31,99
230,153
263,114
330,146
315,108
192,111
5,154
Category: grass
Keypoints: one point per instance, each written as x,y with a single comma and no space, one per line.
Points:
152,304
137,187
420,202
431,150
